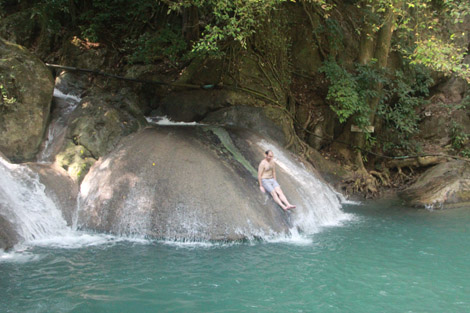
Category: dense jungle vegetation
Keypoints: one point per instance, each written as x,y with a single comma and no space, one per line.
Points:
364,91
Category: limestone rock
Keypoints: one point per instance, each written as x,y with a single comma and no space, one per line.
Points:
58,186
27,89
96,126
442,186
173,182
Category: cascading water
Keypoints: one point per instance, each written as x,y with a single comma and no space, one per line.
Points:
35,216
64,106
321,205
24,203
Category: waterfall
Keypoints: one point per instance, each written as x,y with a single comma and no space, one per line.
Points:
320,206
64,106
35,217
25,205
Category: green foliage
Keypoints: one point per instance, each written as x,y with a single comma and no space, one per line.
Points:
334,34
147,48
227,20
109,19
349,93
5,99
458,136
402,96
465,153
441,56
465,104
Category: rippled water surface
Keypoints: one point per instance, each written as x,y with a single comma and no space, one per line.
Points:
388,259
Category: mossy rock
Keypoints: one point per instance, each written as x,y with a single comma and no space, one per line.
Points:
27,88
75,159
96,127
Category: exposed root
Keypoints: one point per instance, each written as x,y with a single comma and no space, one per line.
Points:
362,182
384,178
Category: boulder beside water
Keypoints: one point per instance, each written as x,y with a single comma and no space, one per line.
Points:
442,186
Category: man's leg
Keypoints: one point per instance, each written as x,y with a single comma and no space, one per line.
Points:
282,197
277,200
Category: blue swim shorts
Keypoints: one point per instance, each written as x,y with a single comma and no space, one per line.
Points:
269,184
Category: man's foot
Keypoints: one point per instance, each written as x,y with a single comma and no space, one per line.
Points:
291,206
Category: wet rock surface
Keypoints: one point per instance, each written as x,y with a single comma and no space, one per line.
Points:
59,187
176,182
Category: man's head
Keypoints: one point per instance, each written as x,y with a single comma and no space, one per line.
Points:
269,155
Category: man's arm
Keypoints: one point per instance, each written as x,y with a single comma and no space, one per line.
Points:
274,171
260,174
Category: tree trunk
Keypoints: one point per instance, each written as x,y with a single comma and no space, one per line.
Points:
371,46
357,139
382,51
191,24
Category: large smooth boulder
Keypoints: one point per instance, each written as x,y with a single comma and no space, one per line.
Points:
172,182
27,89
200,183
442,186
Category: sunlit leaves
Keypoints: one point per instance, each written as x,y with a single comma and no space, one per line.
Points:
441,56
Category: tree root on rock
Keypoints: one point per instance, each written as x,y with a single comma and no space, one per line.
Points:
364,183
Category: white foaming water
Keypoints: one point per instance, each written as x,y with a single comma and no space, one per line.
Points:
165,121
65,104
68,97
321,205
35,217
25,204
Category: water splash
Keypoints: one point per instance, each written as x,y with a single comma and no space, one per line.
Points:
25,204
321,205
36,218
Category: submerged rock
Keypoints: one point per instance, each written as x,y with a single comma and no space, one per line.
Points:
27,88
442,186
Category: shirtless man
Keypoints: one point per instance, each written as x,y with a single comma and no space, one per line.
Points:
267,181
